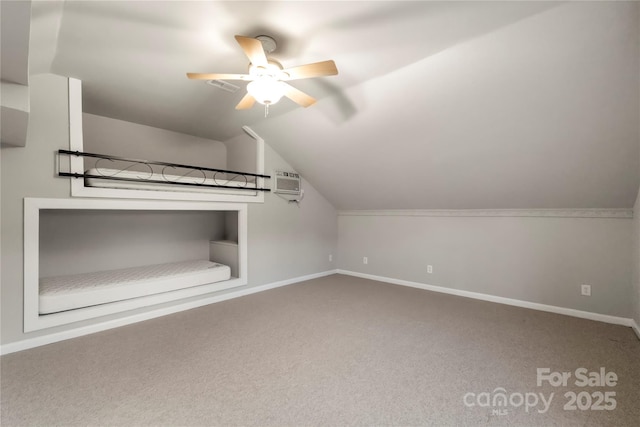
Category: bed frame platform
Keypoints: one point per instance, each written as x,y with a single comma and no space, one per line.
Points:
62,293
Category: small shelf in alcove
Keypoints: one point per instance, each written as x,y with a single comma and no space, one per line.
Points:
225,252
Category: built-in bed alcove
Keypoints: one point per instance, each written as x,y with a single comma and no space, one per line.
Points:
86,258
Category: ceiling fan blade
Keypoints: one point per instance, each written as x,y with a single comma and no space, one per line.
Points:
317,69
253,49
297,96
246,102
215,76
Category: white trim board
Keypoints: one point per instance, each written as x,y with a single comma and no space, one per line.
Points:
500,300
103,326
542,213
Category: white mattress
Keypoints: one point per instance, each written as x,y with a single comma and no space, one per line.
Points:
112,183
62,293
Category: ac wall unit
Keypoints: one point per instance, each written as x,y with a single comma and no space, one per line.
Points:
286,183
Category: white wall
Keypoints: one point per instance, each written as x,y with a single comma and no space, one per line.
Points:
636,239
285,241
535,259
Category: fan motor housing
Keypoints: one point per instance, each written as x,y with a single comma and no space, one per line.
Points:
268,43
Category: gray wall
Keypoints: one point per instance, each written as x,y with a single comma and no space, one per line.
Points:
231,226
537,259
285,241
241,154
124,139
73,242
289,240
29,172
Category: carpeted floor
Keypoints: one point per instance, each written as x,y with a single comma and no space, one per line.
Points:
332,351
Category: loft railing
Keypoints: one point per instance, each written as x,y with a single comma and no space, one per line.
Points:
159,173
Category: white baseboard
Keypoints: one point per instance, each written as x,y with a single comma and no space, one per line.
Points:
110,324
635,328
501,300
86,330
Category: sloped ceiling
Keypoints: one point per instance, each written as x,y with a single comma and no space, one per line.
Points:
14,72
438,105
14,42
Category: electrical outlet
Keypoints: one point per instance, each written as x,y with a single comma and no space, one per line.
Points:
365,260
585,290
429,269
330,257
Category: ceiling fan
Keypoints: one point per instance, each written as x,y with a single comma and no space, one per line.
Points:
267,79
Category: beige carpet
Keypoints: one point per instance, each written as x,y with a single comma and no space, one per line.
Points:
332,351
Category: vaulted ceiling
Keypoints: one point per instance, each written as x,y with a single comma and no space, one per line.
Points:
437,104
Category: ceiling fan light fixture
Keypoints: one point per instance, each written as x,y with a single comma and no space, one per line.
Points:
266,90
267,77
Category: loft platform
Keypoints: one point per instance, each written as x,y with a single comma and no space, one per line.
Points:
138,174
133,144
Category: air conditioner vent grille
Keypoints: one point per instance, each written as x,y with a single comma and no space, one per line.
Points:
286,182
221,84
